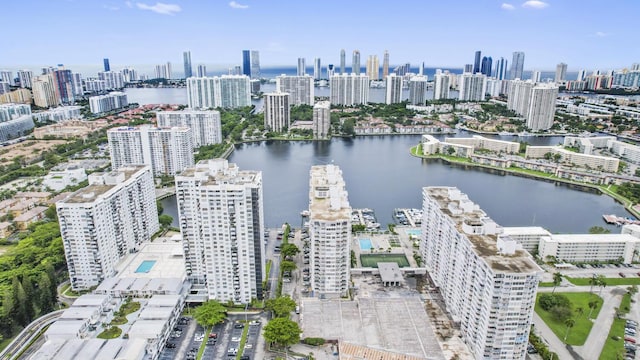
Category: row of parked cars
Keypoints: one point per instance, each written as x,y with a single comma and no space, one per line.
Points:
603,266
630,330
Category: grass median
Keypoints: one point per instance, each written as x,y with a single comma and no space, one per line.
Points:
582,326
609,281
612,347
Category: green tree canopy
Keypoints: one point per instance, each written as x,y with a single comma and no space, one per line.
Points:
289,250
210,313
287,265
598,230
281,306
282,331
165,220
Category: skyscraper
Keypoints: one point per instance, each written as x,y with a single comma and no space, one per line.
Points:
485,68
468,68
167,151
487,280
44,91
299,88
561,72
582,74
321,120
302,68
105,221
342,61
418,90
329,231
204,124
112,79
222,224
317,69
106,64
330,71
517,65
76,84
476,63
276,111
163,71
64,88
26,78
394,89
373,67
202,70
536,76
472,87
535,102
501,69
385,64
421,69
440,86
6,76
187,64
349,89
226,91
255,64
355,62
246,62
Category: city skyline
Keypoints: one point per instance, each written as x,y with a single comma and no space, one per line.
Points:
142,36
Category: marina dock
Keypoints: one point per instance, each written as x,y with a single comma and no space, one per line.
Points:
619,220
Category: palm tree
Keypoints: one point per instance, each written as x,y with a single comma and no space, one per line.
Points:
557,280
580,310
592,305
593,281
569,323
632,290
602,282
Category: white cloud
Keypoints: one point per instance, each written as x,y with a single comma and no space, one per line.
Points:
236,5
601,34
160,8
506,6
535,4
129,4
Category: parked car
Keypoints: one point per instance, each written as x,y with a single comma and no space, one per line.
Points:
622,275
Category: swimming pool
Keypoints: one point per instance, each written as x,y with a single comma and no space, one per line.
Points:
365,244
145,266
414,232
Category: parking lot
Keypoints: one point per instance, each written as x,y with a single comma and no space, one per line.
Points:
180,338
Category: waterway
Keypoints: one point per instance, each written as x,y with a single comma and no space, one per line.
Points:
381,174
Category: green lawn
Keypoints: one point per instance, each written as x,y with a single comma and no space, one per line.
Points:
545,284
203,344
118,320
111,333
610,281
129,307
372,260
611,346
625,304
578,334
243,341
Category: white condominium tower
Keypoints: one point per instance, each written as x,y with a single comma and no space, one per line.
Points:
329,230
321,120
440,86
317,69
349,89
487,280
167,151
394,89
561,72
535,102
373,67
302,68
204,124
418,90
299,88
105,221
221,219
472,87
517,65
355,62
226,91
276,111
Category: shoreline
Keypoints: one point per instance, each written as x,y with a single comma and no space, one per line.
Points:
628,206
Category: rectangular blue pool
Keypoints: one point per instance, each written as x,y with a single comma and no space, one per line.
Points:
414,232
365,244
145,266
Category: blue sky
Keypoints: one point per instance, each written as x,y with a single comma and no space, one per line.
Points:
584,34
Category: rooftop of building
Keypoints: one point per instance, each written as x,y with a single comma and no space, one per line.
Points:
594,238
93,192
525,230
484,245
328,198
220,171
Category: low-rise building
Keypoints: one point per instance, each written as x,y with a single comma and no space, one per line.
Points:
602,163
580,248
482,143
59,180
28,217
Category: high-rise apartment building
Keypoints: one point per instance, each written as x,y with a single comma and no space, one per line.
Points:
276,111
246,62
329,231
105,61
342,62
62,81
299,88
317,69
44,91
440,86
302,67
536,76
394,89
418,90
582,74
468,68
373,67
517,65
112,101
26,78
201,71
485,67
113,79
222,223
129,74
255,64
535,102
188,70
167,151
385,64
472,87
561,72
6,76
330,71
226,91
321,120
477,64
105,221
76,84
349,89
204,124
355,62
421,70
163,71
501,69
487,280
